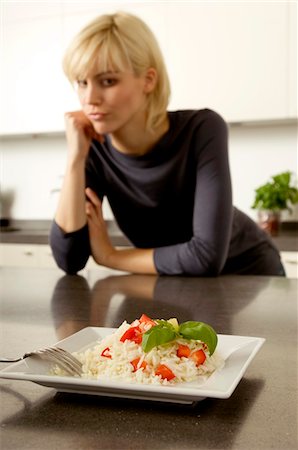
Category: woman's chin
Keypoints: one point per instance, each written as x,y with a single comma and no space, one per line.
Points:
102,128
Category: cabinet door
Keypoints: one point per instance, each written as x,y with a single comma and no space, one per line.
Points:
238,58
290,262
293,59
229,56
31,76
45,257
18,255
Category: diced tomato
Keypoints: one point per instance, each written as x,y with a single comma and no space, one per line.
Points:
132,334
145,319
198,357
165,372
183,351
135,363
106,353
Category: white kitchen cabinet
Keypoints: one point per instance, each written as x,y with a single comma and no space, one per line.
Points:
14,255
290,262
31,255
238,58
230,56
45,256
25,255
293,59
20,10
31,76
33,87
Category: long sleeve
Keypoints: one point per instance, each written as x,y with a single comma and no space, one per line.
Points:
70,250
175,199
206,252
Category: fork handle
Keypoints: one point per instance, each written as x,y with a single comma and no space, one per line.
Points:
9,360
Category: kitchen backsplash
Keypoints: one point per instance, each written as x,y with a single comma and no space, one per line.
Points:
32,168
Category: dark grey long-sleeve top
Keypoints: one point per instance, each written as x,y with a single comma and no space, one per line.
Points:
175,199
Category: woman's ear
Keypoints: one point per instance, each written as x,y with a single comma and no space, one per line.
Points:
150,80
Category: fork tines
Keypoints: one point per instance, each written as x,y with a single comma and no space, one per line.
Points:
63,358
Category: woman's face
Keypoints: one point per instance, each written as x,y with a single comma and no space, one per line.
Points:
113,100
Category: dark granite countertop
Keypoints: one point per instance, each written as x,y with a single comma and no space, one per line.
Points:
44,306
37,232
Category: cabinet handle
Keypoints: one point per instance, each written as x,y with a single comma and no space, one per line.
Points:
28,253
290,261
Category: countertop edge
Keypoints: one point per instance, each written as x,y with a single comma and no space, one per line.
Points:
37,232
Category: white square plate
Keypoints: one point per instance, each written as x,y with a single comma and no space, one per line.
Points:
220,385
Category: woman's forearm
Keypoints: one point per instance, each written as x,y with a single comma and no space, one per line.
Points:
71,214
133,260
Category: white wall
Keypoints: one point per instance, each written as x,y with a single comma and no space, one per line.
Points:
32,167
257,153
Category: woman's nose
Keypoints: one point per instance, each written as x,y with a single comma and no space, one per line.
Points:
91,95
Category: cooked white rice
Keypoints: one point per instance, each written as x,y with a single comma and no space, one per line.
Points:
119,366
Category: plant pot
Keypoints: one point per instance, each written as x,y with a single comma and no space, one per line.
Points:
269,221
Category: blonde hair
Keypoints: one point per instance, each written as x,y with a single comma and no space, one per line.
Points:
120,41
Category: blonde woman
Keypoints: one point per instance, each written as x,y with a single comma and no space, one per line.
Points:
165,173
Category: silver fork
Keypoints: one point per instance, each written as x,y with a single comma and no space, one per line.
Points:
57,355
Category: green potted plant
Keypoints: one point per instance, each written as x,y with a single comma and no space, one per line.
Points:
272,198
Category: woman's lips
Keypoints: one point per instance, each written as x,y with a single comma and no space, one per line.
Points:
97,116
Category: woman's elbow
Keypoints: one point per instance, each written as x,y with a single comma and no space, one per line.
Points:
214,269
69,266
69,263
208,271
210,266
70,250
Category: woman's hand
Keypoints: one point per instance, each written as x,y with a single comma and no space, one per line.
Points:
71,211
79,133
101,247
134,260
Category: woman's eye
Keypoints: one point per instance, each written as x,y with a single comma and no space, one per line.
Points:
107,82
81,83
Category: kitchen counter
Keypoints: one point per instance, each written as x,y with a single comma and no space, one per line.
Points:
37,232
44,306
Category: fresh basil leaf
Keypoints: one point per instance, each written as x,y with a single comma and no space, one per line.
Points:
165,323
199,331
158,335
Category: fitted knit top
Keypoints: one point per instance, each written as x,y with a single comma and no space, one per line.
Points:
176,199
